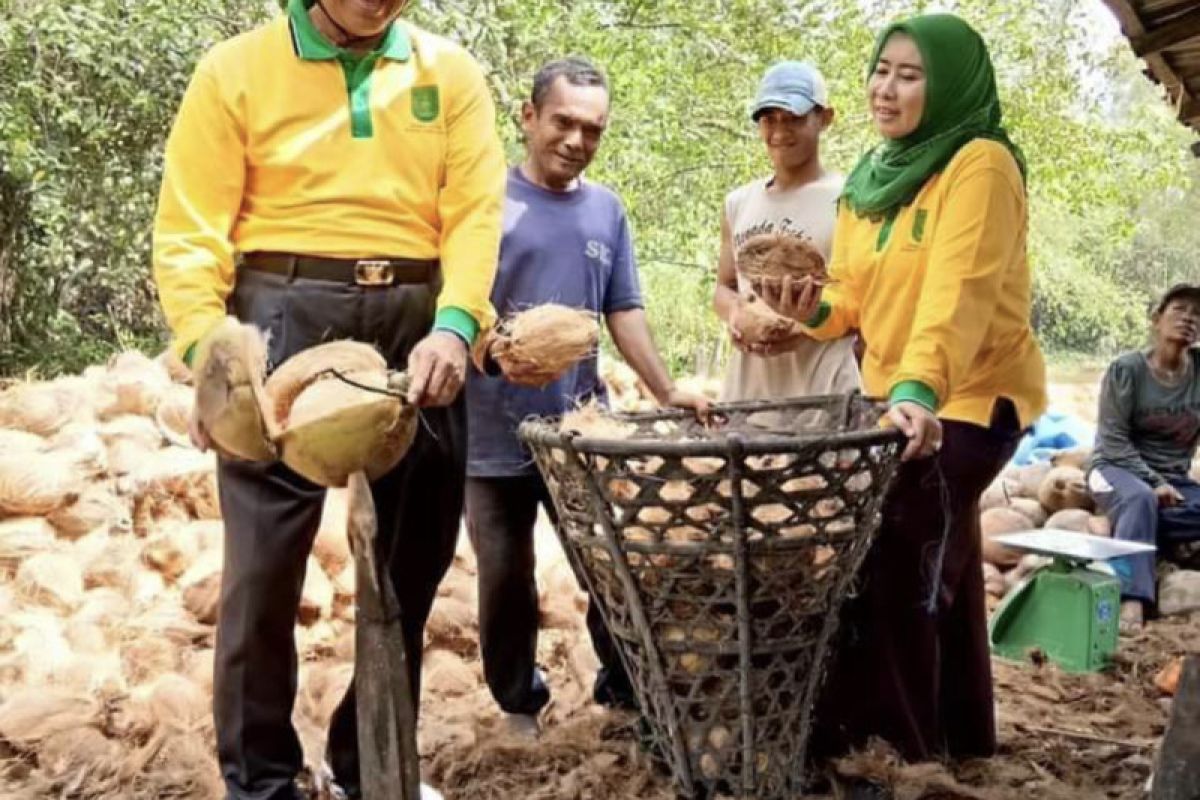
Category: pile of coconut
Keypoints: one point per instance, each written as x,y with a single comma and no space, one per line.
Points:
1052,494
110,570
628,394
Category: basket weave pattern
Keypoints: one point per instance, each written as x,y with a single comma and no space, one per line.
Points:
719,559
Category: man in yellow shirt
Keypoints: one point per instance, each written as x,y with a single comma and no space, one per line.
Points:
333,174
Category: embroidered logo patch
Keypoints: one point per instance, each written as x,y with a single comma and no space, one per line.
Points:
918,232
426,103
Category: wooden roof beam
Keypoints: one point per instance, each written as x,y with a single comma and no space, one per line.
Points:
1179,29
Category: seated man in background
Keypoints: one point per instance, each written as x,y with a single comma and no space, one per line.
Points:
1148,429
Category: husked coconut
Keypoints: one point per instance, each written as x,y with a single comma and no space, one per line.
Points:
178,703
135,382
1065,487
316,598
17,441
757,323
51,579
1099,525
111,567
1069,519
40,408
1077,458
142,430
35,484
332,545
230,401
997,521
28,718
1031,509
21,538
96,508
594,422
777,255
447,673
335,428
173,414
537,346
315,364
203,599
171,552
80,445
1029,478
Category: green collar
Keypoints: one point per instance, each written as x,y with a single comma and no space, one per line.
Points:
312,45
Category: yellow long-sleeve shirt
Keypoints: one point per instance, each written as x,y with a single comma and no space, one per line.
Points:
943,298
285,143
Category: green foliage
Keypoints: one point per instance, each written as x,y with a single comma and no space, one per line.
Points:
88,90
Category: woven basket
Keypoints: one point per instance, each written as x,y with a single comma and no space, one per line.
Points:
720,557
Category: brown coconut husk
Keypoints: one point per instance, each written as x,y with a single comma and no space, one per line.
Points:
756,323
37,483
1065,487
537,346
996,521
335,429
203,599
777,255
230,402
449,672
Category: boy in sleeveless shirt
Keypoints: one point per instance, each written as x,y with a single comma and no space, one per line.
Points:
798,199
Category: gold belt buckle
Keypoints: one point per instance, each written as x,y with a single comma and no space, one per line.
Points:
370,272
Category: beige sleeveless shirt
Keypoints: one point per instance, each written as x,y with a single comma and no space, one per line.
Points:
809,211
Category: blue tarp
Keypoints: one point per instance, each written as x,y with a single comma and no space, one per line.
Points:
1052,432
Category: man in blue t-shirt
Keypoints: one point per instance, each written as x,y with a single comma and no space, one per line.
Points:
566,240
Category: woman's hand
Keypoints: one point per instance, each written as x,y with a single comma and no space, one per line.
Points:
794,298
920,425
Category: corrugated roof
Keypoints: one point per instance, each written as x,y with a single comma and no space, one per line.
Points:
1166,34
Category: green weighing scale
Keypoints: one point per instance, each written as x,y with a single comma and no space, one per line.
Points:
1068,609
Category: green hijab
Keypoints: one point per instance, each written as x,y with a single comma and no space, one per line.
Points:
961,104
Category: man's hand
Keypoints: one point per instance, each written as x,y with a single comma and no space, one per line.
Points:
920,425
698,403
196,432
437,367
794,298
1168,495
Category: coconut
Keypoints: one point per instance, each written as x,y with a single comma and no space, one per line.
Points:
1078,458
171,552
1069,519
756,323
96,508
23,537
316,364
1099,525
177,702
996,521
173,413
142,430
997,495
332,545
80,444
135,383
316,599
1031,509
177,370
28,718
203,599
37,483
18,441
72,755
335,428
40,408
110,568
1029,478
594,422
537,346
777,255
447,673
51,579
1065,487
229,366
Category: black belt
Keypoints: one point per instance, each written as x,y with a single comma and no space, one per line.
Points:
360,271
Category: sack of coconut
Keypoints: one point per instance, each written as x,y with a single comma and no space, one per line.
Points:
537,346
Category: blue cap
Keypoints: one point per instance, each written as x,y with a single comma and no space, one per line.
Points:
794,86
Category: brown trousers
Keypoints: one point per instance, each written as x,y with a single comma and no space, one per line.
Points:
916,674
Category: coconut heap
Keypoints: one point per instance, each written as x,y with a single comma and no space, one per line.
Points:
110,571
1052,494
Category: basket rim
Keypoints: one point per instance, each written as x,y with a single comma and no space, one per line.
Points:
544,431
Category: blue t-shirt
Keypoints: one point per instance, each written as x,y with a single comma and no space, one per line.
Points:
571,248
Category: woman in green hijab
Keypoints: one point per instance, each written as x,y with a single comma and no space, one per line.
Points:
929,264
